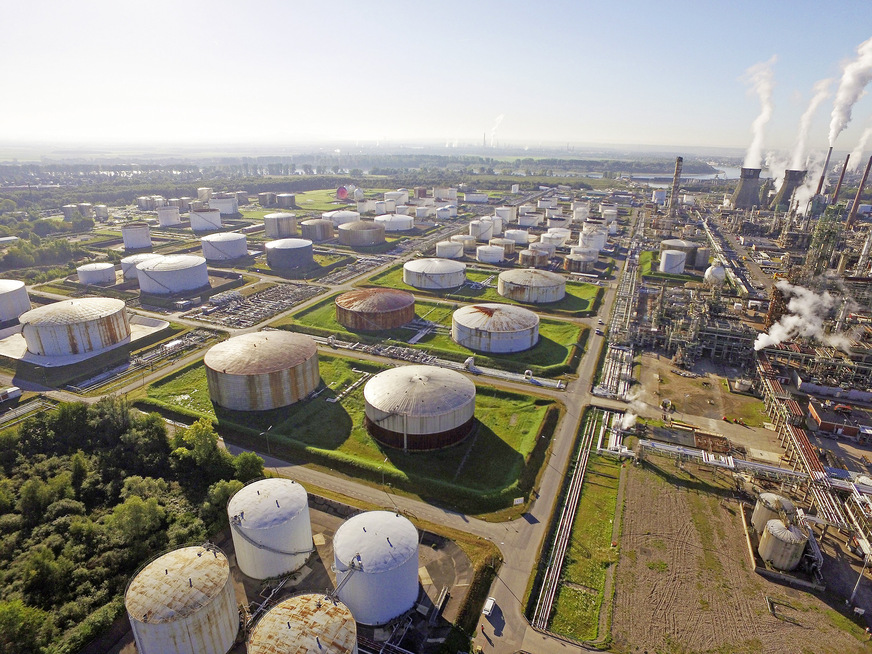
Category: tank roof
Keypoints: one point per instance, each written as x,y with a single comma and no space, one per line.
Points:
785,534
266,503
9,285
375,300
260,353
289,244
774,501
419,391
139,258
103,265
316,221
361,226
679,243
280,214
302,624
172,262
68,312
224,237
376,540
494,317
532,277
435,266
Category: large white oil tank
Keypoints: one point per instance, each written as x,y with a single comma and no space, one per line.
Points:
183,603
556,240
269,522
205,220
395,222
309,622
376,562
672,262
13,299
169,216
449,249
204,194
769,507
507,214
226,206
174,273
559,222
550,248
781,545
489,254
262,370
497,223
468,242
525,209
481,230
563,232
400,197
136,236
128,264
341,217
434,273
280,225
96,273
529,219
75,326
507,244
286,200
701,260
519,236
531,285
224,246
498,328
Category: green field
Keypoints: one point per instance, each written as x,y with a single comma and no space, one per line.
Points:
551,356
581,299
648,262
323,200
480,474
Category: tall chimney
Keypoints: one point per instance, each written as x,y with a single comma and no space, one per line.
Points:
824,172
676,178
839,185
856,205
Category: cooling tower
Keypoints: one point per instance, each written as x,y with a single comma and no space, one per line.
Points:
745,196
793,179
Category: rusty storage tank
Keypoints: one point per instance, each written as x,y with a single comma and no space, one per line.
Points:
174,273
467,242
262,370
168,216
578,263
374,309
317,229
548,248
289,253
309,622
183,603
530,285
434,273
769,507
266,199
419,407
363,233
507,244
280,225
13,299
533,258
449,250
96,273
492,327
128,264
224,246
271,529
136,236
205,220
782,545
75,326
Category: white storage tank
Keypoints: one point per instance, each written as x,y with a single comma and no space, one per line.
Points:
341,217
174,273
169,216
75,326
489,254
262,370
563,232
672,262
559,222
101,212
548,248
13,299
519,236
224,246
467,242
128,264
419,407
434,273
449,249
769,507
782,546
184,603
497,328
532,258
204,194
497,224
86,209
269,522
507,244
375,557
529,219
280,225
317,229
400,197
286,200
524,209
309,622
70,211
530,285
395,222
136,236
289,253
205,220
96,273
226,206
555,240
715,275
481,230
507,214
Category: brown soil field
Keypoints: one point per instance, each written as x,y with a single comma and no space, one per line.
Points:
684,583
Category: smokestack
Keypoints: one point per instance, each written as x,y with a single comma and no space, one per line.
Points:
793,179
839,185
856,205
746,194
824,171
673,199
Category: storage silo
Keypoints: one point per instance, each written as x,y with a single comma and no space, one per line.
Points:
400,197
467,242
530,285
341,217
75,326
497,328
782,545
204,194
317,229
769,507
497,224
449,249
374,309
286,200
136,236
269,522
309,622
96,273
174,273
672,262
507,244
419,407
563,232
529,219
13,299
205,220
521,237
395,222
183,603
224,246
288,253
86,209
434,273
262,370
701,260
555,240
532,258
169,216
559,222
363,233
489,254
280,225
688,247
507,214
128,264
481,230
101,212
375,556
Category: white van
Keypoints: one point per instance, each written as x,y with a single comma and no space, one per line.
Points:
489,604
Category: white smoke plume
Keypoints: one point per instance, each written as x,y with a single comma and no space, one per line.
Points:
759,78
637,406
857,153
806,311
856,75
804,193
628,420
821,91
497,122
776,166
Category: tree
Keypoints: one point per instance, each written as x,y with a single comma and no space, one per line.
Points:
23,629
214,509
248,466
45,579
199,445
136,519
33,498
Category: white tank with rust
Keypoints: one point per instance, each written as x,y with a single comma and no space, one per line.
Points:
136,236
782,545
769,506
129,263
174,273
205,220
168,216
309,622
449,250
531,285
496,328
280,225
432,273
75,326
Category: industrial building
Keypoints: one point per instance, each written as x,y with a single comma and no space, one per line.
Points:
495,328
374,309
308,622
172,274
434,273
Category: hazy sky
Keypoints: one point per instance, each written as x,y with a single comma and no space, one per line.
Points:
279,71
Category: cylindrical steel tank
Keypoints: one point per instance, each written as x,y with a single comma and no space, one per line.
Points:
688,247
174,273
781,545
262,370
204,194
467,242
419,407
75,326
269,522
548,248
286,200
521,237
374,309
86,209
507,214
341,217
588,253
280,225
289,253
184,603
205,220
701,260
70,211
768,507
481,230
533,258
559,222
507,244
672,262
136,236
305,623
715,275
169,216
317,229
266,199
395,222
497,224
434,273
529,219
13,299
555,240
562,232
128,264
489,254
363,233
224,246
375,556
96,273
498,328
101,211
578,263
530,285
449,249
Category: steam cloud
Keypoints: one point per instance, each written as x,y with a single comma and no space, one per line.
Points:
636,407
776,167
805,315
855,77
821,90
854,162
497,122
759,79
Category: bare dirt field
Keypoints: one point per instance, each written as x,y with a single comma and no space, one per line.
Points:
684,582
